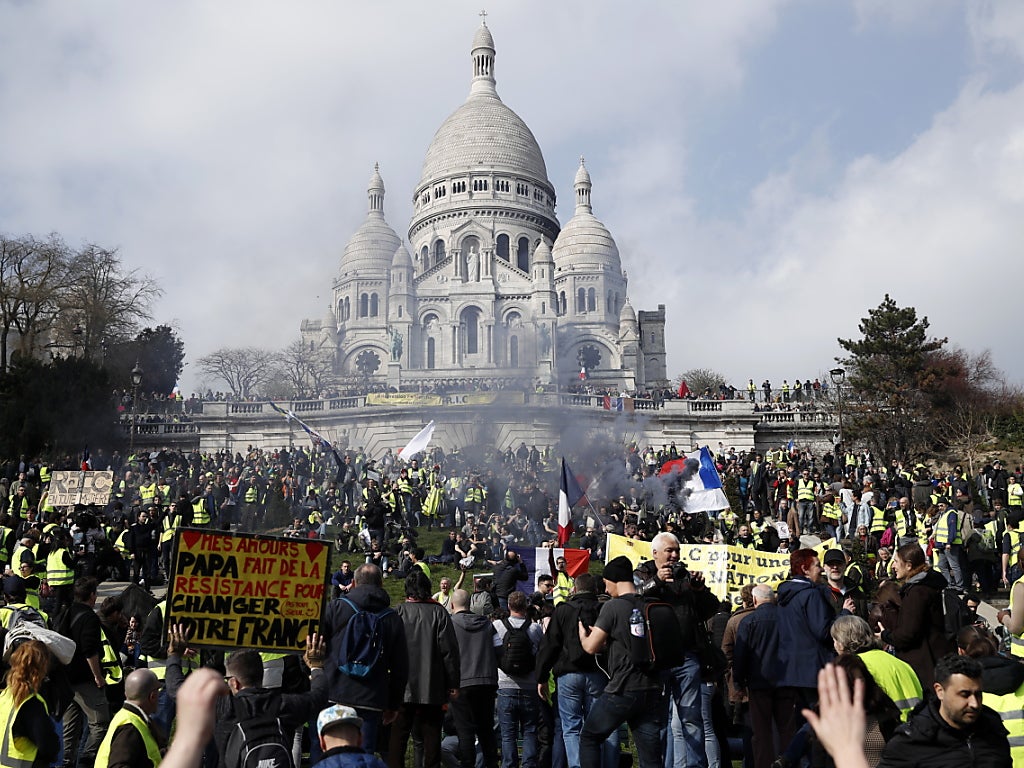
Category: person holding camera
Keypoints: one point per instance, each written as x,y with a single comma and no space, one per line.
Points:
506,573
665,578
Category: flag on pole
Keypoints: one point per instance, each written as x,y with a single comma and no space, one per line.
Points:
684,390
569,494
583,373
705,485
315,436
418,444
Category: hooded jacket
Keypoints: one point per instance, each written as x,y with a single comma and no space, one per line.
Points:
804,619
927,740
475,636
384,687
560,651
917,629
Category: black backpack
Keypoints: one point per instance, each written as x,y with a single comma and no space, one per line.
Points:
362,642
654,635
954,613
258,741
517,655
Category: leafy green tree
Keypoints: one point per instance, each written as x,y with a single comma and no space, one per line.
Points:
890,381
159,353
55,408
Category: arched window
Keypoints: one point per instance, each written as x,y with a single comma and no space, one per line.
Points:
399,310
562,307
609,303
513,352
523,254
374,304
425,258
431,354
438,251
513,319
502,247
471,325
348,309
616,304
429,320
364,305
591,300
581,301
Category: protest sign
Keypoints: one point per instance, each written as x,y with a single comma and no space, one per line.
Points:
236,590
69,487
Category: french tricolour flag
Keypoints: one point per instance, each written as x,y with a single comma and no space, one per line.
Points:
706,494
569,494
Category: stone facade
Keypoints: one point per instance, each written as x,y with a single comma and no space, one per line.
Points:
490,285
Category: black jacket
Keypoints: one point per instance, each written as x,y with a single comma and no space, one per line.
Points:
560,651
506,574
927,741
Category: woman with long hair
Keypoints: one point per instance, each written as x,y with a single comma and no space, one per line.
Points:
916,628
28,731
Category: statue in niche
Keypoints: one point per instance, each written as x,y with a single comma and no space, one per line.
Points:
396,344
473,266
545,341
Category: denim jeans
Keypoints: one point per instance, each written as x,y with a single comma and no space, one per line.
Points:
577,692
645,713
518,709
683,683
711,745
951,565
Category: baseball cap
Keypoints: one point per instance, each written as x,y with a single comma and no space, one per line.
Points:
337,714
835,556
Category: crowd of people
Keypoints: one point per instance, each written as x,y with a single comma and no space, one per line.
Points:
502,669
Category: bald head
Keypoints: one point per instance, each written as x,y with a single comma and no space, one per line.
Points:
140,687
460,600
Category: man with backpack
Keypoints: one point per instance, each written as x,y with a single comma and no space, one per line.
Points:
517,640
368,661
257,725
578,678
633,694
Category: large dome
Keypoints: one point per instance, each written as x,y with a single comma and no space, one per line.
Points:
483,133
584,241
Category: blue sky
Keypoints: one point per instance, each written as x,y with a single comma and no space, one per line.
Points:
769,170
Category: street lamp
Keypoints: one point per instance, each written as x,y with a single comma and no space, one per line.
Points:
838,376
136,381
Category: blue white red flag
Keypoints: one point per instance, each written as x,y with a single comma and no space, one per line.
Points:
569,494
705,486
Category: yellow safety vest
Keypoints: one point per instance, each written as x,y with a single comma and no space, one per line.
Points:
170,523
1016,641
119,544
877,520
273,669
127,717
4,533
805,490
1015,540
57,572
896,678
15,751
157,666
1010,707
942,530
110,661
832,512
563,587
44,474
251,494
1016,495
147,492
199,514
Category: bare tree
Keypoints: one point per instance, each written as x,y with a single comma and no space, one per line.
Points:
307,371
699,380
243,369
34,277
104,302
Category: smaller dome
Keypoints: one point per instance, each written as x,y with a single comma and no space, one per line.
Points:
543,253
582,175
329,322
482,38
626,315
372,247
402,258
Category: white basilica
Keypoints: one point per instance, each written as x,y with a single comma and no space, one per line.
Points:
491,286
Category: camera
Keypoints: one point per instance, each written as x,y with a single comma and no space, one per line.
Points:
680,576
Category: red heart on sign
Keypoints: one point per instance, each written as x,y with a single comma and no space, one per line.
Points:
313,551
191,538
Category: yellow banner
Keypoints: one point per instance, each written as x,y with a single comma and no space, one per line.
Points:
245,591
485,398
402,398
726,569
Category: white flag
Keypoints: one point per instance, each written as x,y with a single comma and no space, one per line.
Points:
418,444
